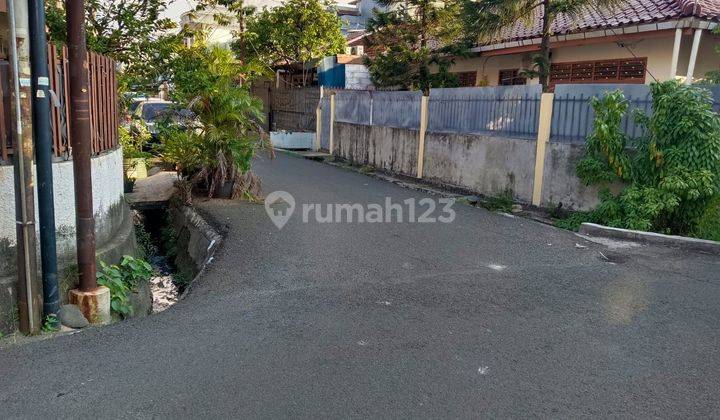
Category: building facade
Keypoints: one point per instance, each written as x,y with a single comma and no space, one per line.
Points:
640,41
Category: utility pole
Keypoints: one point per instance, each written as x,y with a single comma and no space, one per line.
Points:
93,301
43,155
29,297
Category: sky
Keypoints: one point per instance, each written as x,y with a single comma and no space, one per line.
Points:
178,7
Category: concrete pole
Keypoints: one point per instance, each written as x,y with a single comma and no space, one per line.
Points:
543,138
29,289
421,138
675,53
693,56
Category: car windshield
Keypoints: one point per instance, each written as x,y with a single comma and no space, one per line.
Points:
152,111
133,105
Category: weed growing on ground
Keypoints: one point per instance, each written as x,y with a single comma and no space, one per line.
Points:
145,243
502,202
169,239
51,324
122,279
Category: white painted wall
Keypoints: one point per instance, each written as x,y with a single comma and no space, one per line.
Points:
107,175
357,76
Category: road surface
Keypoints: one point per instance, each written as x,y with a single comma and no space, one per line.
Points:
485,316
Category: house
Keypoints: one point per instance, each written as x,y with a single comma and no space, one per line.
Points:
639,41
347,70
205,21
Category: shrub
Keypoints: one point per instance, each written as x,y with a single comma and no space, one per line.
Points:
672,177
133,141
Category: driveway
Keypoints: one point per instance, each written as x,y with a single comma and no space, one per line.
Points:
489,315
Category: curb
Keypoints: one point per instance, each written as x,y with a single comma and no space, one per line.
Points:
694,244
212,236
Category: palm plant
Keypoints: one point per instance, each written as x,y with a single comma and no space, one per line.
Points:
219,149
489,20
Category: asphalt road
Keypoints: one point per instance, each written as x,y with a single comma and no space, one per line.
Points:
485,316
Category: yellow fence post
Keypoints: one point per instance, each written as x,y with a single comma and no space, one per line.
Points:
421,140
332,124
546,109
318,121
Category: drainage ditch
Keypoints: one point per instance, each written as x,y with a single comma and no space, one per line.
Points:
178,243
157,245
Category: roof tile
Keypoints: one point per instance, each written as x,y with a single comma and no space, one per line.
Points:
630,12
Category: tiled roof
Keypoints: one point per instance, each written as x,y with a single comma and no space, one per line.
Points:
354,36
628,13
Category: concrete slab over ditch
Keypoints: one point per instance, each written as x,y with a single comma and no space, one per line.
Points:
152,191
694,244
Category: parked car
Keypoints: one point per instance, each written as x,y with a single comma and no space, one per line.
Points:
152,112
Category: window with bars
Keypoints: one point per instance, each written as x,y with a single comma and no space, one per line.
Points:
466,78
510,77
631,70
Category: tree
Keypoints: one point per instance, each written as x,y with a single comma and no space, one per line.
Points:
487,20
671,175
411,38
128,31
713,76
296,32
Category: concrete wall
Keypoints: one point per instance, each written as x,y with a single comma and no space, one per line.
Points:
487,165
657,50
107,173
114,229
387,148
560,182
357,76
197,241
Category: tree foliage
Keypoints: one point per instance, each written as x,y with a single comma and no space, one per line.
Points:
713,76
129,31
412,44
673,173
489,20
219,149
298,31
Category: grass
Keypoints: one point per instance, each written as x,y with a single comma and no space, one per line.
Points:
502,202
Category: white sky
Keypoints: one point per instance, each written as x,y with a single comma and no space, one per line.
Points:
178,7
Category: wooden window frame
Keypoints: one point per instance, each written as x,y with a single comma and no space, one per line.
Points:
592,66
516,76
466,73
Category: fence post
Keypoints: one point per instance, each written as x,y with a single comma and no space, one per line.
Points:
331,146
421,140
371,108
318,122
546,109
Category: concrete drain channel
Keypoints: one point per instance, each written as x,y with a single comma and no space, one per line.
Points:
157,241
178,243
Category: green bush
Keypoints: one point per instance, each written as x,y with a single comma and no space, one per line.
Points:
672,177
133,140
122,279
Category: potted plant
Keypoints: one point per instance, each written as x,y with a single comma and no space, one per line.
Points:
133,141
214,151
